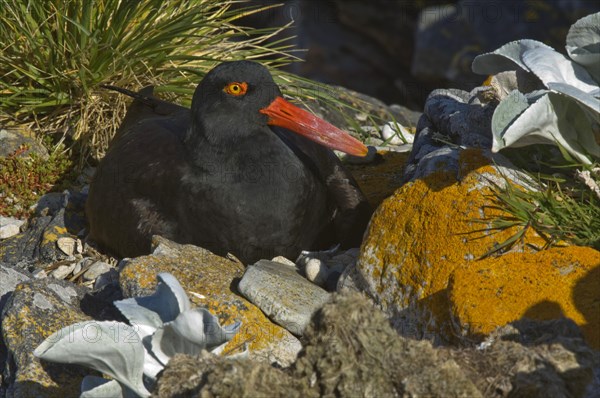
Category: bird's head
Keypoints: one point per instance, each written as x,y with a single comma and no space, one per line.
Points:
240,98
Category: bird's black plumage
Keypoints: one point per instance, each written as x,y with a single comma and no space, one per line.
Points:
219,176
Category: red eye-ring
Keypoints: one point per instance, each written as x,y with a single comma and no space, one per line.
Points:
236,88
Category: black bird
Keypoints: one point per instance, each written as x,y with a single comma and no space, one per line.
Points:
242,171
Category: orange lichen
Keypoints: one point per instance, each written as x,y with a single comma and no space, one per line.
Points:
208,280
427,229
544,285
380,179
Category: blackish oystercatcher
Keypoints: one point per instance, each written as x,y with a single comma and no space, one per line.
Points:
244,171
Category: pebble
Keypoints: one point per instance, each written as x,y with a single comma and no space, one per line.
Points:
96,270
316,271
63,271
283,260
394,137
282,294
9,226
107,278
69,245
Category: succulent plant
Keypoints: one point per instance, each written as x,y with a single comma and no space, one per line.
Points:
565,107
161,325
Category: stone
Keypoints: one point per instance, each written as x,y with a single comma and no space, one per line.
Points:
282,294
283,260
419,236
553,283
67,245
9,227
63,271
35,310
56,216
316,271
95,270
12,139
382,177
209,280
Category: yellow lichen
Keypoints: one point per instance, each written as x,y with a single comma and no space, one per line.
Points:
544,285
211,277
428,228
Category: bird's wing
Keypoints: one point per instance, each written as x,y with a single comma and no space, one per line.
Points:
352,208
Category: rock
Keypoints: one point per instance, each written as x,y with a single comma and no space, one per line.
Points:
67,245
396,134
35,310
56,216
550,284
316,271
381,178
532,359
12,139
281,293
479,27
419,236
106,278
209,280
9,227
97,269
283,260
63,271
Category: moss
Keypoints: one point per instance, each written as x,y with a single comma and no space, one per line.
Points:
23,179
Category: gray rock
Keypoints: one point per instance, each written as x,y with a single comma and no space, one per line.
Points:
56,216
96,270
11,139
316,271
36,309
63,271
282,294
9,226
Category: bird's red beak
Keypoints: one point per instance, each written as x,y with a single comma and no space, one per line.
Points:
283,114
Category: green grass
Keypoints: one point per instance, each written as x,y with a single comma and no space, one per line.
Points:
562,209
55,54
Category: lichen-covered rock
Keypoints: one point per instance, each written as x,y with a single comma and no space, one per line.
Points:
11,139
35,310
545,285
56,216
209,280
421,234
381,178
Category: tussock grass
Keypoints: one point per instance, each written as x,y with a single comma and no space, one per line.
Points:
55,54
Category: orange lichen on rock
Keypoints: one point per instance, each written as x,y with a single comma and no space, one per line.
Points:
380,179
428,228
545,285
208,280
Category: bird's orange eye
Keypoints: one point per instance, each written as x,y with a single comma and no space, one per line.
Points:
236,88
